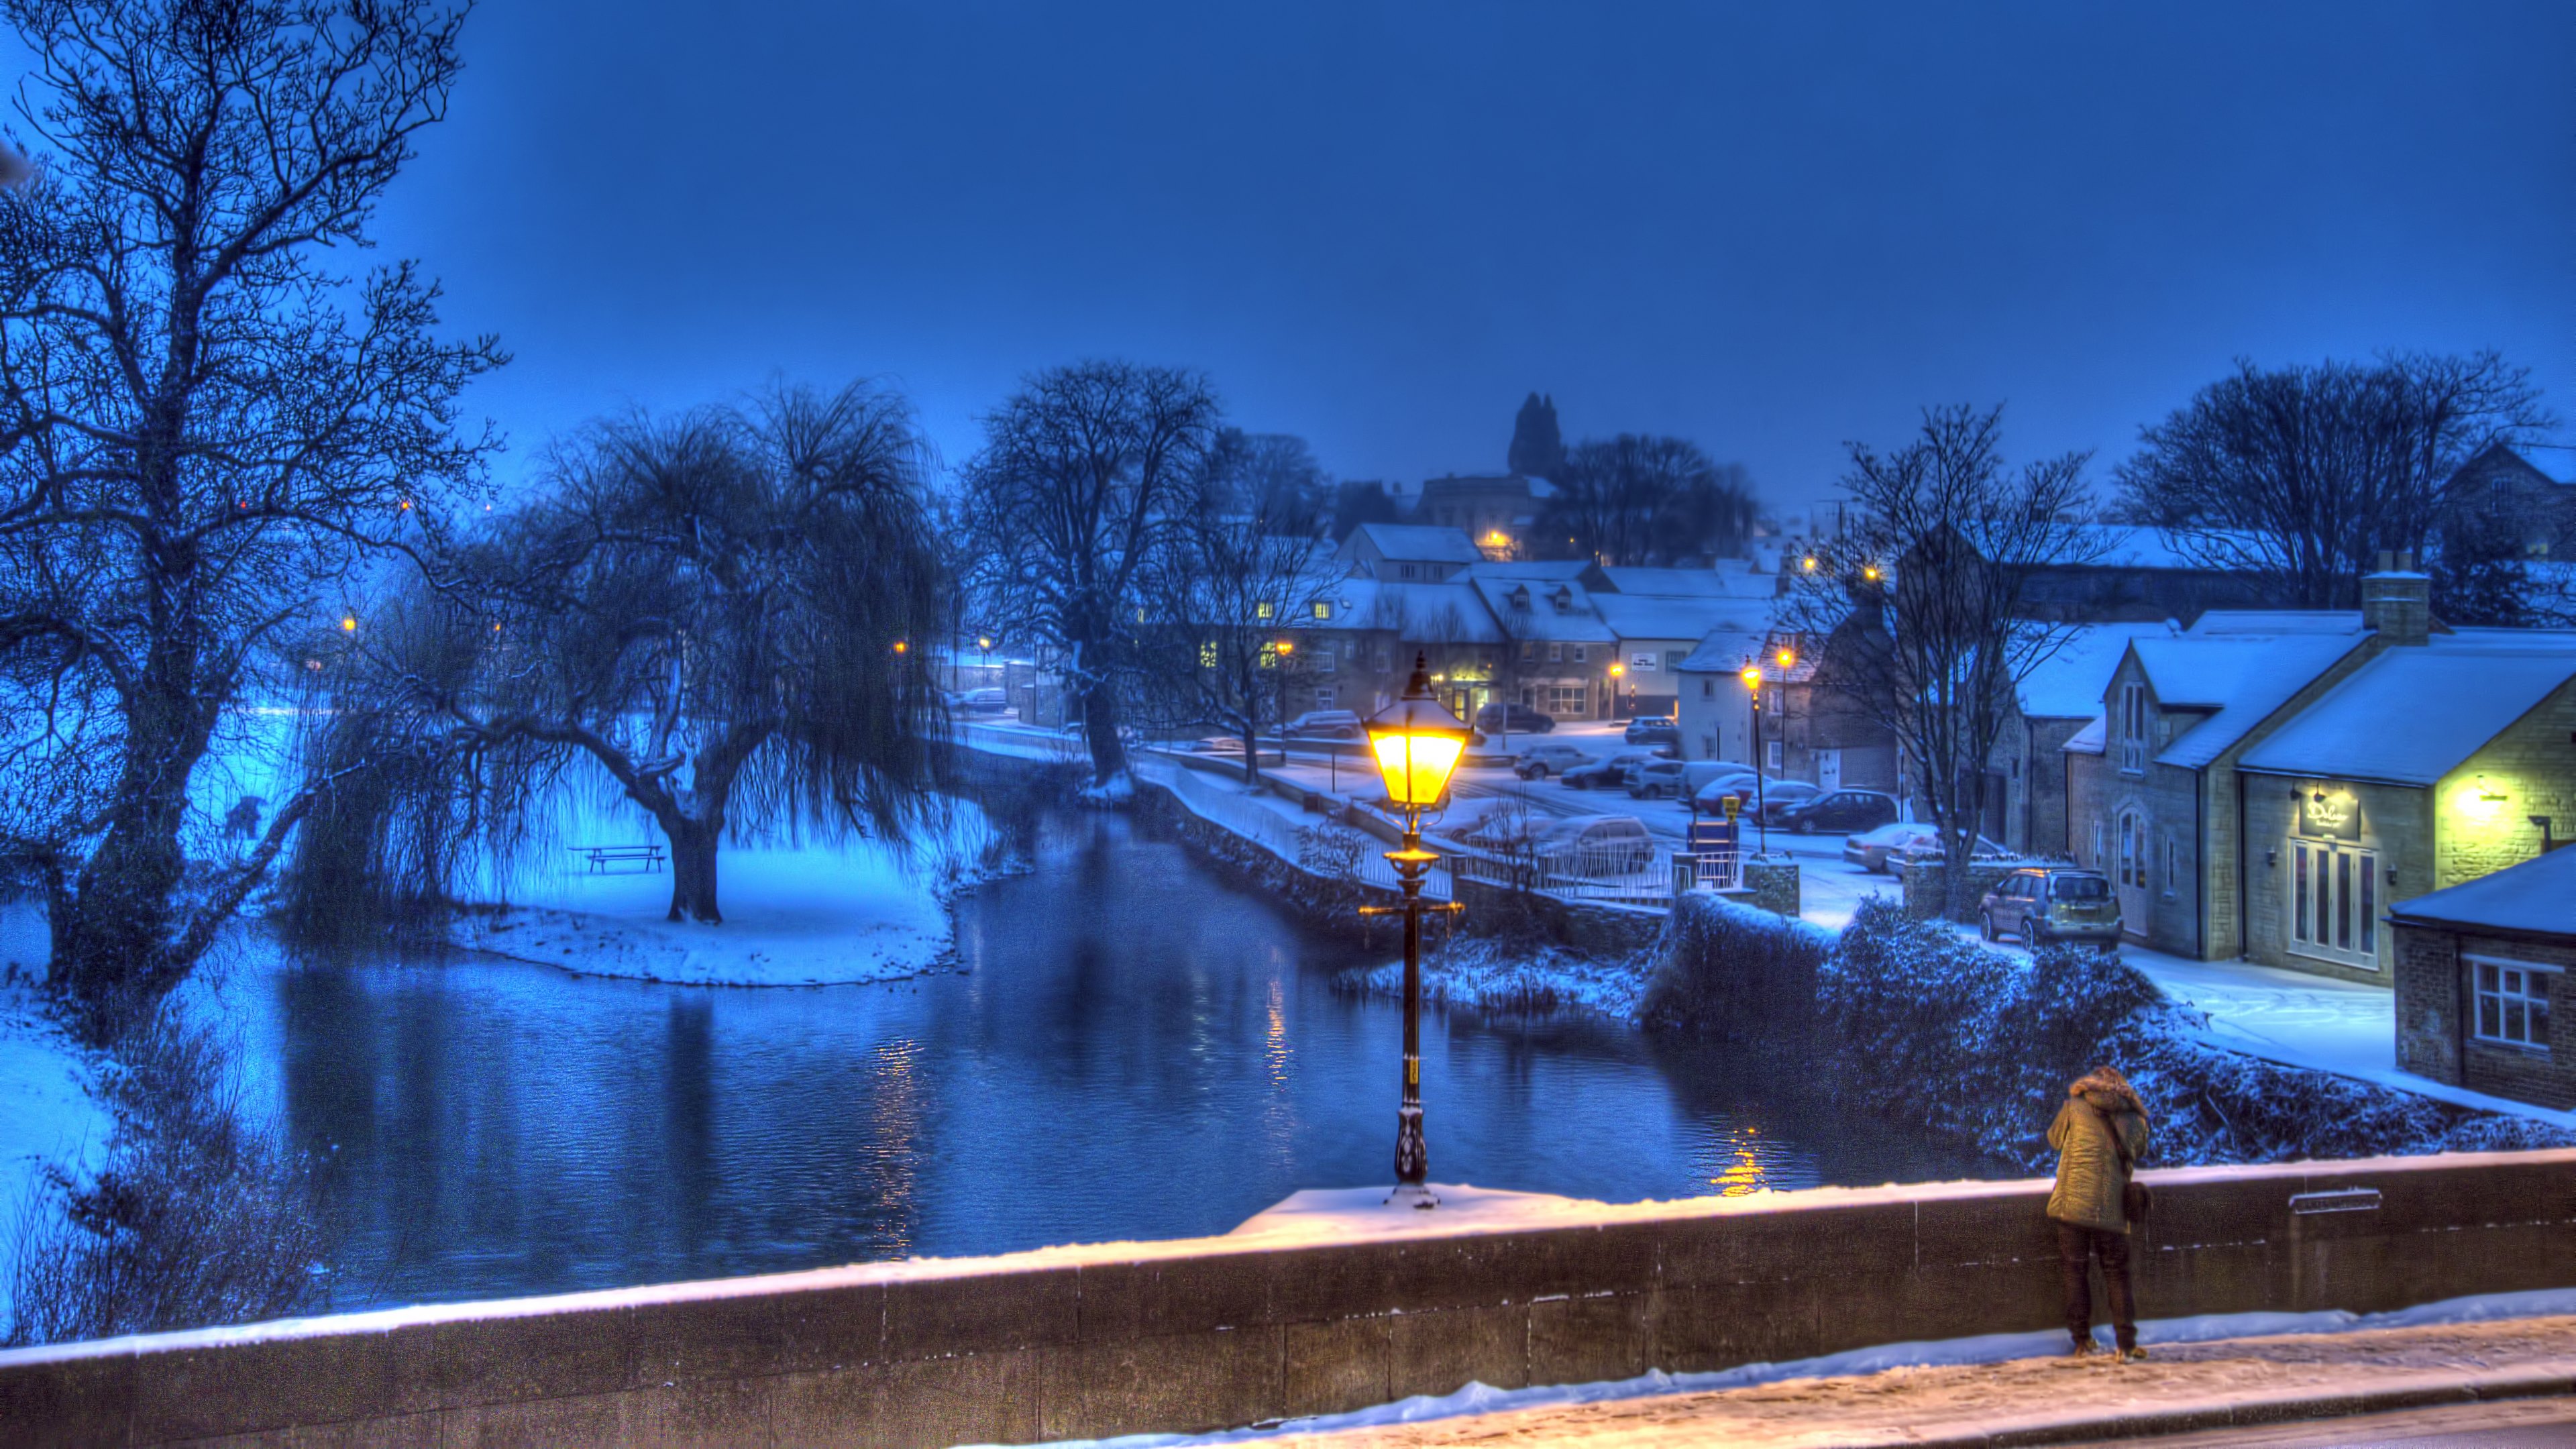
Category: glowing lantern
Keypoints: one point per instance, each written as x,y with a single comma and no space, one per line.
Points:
1417,742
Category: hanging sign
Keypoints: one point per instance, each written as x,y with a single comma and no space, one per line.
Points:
2329,813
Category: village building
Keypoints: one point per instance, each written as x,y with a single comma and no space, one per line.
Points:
1561,656
2482,978
1409,553
2128,573
2151,785
1496,512
2025,802
2530,491
2445,758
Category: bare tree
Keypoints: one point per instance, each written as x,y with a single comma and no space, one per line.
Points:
1615,498
1921,598
1236,577
722,611
204,427
2303,474
1082,477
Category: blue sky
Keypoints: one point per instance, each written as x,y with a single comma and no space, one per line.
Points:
1770,229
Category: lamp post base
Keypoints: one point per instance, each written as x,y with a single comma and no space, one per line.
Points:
1413,1194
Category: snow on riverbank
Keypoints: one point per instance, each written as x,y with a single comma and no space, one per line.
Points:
824,914
48,1114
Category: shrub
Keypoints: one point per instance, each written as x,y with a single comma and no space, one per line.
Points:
1731,970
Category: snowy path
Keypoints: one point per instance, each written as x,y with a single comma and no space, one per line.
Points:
2242,1369
47,1114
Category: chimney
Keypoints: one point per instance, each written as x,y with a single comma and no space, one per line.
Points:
2397,602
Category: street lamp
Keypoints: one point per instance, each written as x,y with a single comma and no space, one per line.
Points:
1417,742
1752,677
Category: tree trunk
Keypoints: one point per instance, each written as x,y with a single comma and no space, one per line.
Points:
693,869
113,934
1100,728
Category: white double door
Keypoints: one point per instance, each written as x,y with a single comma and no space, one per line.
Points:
2334,902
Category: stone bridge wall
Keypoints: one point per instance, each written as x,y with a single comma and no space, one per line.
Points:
1211,1332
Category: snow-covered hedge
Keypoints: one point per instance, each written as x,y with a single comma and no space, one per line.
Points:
1934,1030
1729,969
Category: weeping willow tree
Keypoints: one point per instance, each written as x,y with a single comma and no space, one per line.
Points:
718,610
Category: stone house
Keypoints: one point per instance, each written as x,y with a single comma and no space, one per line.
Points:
1811,730
1558,653
1655,633
2026,773
2482,984
1495,512
2445,758
1359,651
2152,787
2135,574
2533,491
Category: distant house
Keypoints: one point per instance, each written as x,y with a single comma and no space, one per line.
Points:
2531,490
2133,573
1654,633
1560,654
1811,730
1409,553
1495,512
2483,997
1364,643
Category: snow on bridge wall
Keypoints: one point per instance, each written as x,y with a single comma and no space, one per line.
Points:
1304,1311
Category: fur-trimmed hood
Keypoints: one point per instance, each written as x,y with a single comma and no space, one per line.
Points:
2105,1090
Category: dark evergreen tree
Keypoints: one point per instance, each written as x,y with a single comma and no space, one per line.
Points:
1538,449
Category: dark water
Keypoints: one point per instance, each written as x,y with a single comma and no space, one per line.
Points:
1136,1051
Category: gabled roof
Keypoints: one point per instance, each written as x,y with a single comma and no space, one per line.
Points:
1544,568
1418,543
2268,622
2093,739
2413,715
2242,680
1725,650
1442,613
2532,896
1577,622
1706,583
2069,683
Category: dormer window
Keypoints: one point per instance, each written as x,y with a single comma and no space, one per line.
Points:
1520,596
1564,600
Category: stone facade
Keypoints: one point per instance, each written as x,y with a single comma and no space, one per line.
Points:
2436,1013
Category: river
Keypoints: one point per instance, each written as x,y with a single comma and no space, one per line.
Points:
1134,1049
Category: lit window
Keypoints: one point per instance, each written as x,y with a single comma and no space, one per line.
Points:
1263,610
1207,655
1323,608
2513,1003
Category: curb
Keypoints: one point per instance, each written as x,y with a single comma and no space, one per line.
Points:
2556,1379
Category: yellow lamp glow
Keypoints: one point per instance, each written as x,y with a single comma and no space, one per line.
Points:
1870,573
1808,563
348,623
1751,674
1286,646
1788,657
1617,669
1417,742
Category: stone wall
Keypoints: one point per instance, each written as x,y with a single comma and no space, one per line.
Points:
1198,1335
2530,770
2396,821
2436,1029
1773,884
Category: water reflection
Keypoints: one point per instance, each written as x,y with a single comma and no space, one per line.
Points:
1134,1051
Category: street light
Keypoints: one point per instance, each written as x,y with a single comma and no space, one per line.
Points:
1752,677
1417,742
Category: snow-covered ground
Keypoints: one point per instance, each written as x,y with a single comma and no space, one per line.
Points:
47,1111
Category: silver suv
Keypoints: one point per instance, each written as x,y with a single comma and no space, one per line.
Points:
2047,904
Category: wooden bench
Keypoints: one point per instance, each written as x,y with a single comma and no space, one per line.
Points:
646,859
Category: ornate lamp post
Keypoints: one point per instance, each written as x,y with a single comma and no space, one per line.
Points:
1752,677
1417,743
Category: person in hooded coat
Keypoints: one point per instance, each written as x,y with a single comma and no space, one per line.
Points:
2099,1135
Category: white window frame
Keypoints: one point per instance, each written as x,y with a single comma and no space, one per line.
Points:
1771,754
1578,654
1324,698
2512,1006
1556,653
2133,728
1324,661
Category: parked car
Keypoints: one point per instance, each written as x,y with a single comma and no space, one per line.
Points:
1758,800
1933,852
1609,774
979,701
1327,724
2047,904
1518,719
1709,798
1540,761
1843,810
1595,845
1871,849
1653,729
1660,780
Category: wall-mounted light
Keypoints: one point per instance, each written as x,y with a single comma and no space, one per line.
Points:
2487,791
2272,858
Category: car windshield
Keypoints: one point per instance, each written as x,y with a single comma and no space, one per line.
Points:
2079,888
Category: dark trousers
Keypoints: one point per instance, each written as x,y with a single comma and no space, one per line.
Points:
2076,1248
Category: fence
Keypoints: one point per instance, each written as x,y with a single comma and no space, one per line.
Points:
1282,836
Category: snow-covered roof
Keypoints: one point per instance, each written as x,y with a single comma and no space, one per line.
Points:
1419,542
1725,650
2269,622
2069,683
1682,583
2244,680
1636,616
2092,739
2414,714
2137,546
2532,896
1542,619
1443,613
1544,568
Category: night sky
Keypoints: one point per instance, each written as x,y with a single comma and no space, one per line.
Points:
1769,229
